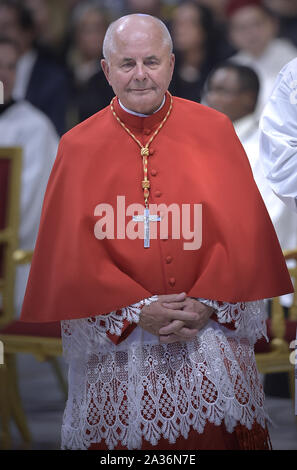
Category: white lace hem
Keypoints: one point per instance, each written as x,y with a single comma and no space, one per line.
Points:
144,389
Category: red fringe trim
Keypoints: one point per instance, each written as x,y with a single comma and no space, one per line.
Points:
256,438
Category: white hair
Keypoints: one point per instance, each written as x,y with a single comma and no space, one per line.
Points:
108,43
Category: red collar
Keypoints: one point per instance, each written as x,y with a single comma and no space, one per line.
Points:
142,122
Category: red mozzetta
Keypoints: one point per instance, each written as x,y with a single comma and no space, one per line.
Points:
195,159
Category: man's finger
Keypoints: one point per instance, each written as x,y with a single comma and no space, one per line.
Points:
187,333
173,327
178,305
181,315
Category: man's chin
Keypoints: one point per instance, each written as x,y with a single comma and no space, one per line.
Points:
144,102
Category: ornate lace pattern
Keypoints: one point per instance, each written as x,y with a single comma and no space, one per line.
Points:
247,317
144,389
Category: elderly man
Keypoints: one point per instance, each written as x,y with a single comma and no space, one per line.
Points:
159,306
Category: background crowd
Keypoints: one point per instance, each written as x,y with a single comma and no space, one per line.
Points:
60,46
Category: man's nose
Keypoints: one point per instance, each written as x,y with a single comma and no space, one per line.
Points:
140,72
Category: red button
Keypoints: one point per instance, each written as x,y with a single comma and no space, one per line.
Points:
152,151
172,281
158,193
153,172
168,259
147,131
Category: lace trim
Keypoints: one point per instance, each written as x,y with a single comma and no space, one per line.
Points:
92,330
249,318
144,389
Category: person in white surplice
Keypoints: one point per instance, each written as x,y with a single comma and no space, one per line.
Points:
278,143
233,89
22,125
254,33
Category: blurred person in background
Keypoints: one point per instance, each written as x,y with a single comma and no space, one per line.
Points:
218,9
278,144
23,125
286,12
278,136
114,7
233,89
253,32
51,25
90,90
41,13
193,40
38,78
148,7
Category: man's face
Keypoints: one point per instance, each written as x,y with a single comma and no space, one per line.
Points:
8,61
187,31
90,34
10,28
8,23
140,67
224,95
251,30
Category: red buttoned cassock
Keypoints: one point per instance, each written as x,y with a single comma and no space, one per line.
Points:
195,159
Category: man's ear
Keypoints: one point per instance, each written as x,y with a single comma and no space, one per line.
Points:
172,63
105,68
172,60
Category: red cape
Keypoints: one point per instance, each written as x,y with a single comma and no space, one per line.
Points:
195,159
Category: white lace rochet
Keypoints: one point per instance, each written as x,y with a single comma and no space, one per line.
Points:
141,389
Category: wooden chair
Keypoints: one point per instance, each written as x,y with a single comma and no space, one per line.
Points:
274,357
41,340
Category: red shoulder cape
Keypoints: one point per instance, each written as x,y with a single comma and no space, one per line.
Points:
195,159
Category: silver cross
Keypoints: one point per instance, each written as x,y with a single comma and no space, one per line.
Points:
146,218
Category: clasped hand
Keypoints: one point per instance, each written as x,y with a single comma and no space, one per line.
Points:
175,317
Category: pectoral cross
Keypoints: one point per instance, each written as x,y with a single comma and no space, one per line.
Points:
146,218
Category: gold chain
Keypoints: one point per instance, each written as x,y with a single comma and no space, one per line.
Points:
144,149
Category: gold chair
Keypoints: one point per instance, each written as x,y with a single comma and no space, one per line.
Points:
41,340
274,357
10,182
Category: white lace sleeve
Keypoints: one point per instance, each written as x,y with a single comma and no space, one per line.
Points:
248,318
86,335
